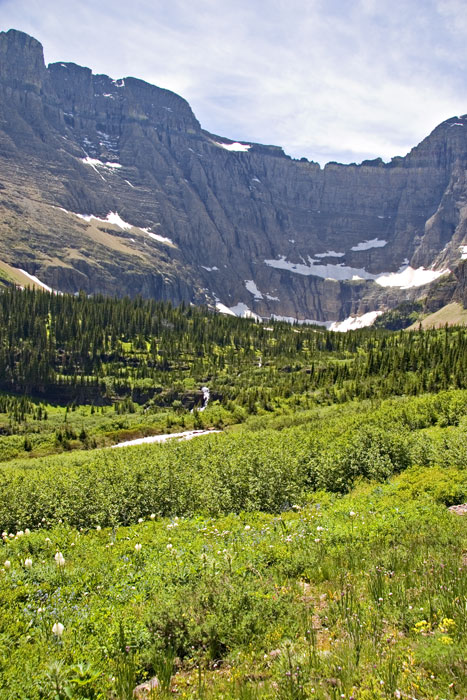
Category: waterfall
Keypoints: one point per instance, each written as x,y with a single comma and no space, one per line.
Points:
206,395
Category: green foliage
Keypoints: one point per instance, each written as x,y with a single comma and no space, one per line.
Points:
359,595
305,552
402,316
254,468
98,350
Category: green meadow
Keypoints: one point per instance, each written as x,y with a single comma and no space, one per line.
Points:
306,550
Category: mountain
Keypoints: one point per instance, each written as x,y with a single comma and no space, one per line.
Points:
113,186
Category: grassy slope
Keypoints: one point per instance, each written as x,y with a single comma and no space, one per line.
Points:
452,314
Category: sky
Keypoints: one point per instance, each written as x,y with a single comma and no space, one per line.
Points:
329,80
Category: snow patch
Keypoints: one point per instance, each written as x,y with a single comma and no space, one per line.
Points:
255,179
237,147
366,245
407,277
129,183
223,309
112,218
35,279
354,322
241,310
329,254
463,251
94,163
210,269
301,322
187,435
253,289
330,271
158,237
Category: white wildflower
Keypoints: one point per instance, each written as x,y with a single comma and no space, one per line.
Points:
59,559
57,629
28,563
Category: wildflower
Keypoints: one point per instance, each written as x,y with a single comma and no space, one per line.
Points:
352,513
98,528
141,520
7,565
138,547
28,563
422,627
57,629
319,528
247,527
317,540
169,546
48,541
60,559
153,516
27,531
446,624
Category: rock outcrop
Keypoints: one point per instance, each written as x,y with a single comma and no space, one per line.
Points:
197,218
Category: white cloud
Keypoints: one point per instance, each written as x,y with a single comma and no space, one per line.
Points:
326,79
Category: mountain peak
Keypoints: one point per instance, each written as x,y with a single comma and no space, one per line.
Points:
21,60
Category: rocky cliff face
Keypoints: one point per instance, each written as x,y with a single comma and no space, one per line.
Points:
112,186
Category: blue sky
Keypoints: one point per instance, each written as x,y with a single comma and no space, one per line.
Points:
327,79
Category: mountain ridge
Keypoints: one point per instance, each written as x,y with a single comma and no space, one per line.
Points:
205,219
